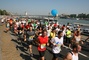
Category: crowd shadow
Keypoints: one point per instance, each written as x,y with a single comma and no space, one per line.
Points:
25,57
36,56
14,40
50,51
85,47
13,34
22,47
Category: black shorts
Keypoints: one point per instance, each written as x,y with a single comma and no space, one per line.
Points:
56,55
29,42
20,37
68,40
41,53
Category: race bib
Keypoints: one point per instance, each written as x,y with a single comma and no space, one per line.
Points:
30,37
20,31
58,44
43,46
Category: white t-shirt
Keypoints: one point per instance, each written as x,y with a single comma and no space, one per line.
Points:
57,29
48,32
17,23
64,32
23,21
59,42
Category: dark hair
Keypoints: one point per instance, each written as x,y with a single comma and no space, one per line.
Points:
74,45
53,28
78,31
44,31
59,32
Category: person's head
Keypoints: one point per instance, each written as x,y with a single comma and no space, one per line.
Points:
53,30
76,47
48,27
60,34
68,28
58,26
30,28
40,28
77,33
44,33
20,25
63,25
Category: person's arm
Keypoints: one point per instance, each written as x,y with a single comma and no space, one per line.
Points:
47,42
68,57
73,39
52,42
37,42
81,41
87,38
25,36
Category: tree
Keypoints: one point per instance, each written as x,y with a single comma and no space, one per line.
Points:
82,15
73,16
0,11
3,12
87,15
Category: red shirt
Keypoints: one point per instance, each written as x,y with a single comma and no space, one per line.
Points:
22,25
42,41
55,25
27,26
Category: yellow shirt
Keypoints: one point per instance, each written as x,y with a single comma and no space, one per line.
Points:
52,35
68,33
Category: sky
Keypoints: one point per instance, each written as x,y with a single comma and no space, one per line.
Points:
43,7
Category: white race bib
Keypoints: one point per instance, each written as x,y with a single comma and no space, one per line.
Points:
43,46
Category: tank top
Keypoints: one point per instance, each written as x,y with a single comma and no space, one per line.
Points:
74,57
77,38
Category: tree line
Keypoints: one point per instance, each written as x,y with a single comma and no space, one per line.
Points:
82,15
4,12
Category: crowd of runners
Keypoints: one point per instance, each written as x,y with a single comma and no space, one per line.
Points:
53,35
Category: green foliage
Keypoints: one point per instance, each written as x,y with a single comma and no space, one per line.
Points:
73,16
82,15
3,12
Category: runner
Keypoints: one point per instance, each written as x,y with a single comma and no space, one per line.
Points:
53,33
48,31
77,38
57,42
73,55
20,30
7,26
2,20
29,38
42,41
15,28
68,37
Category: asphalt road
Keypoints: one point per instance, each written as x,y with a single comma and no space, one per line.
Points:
83,55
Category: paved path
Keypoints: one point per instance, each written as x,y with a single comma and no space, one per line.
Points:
84,54
21,53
